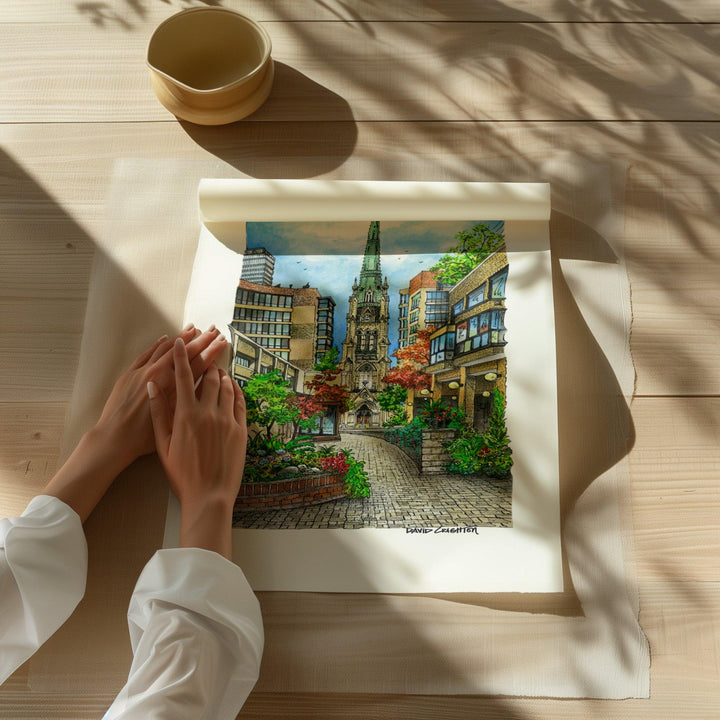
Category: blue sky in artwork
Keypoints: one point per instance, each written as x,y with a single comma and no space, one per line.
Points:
329,257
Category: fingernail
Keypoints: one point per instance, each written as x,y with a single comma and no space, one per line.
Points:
179,343
211,328
162,338
151,390
188,327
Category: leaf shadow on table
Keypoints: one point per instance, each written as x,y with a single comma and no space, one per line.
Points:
91,651
285,145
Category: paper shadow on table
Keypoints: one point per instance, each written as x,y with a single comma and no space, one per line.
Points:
298,151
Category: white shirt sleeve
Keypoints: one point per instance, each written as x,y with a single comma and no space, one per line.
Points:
43,568
197,639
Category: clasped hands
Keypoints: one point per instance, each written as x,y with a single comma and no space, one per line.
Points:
175,400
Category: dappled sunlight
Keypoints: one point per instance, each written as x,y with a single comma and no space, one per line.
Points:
613,102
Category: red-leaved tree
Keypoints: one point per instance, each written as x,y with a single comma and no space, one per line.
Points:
411,360
323,387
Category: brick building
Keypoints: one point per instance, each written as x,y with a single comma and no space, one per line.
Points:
424,303
467,355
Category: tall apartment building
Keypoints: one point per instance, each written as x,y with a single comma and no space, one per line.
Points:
424,303
325,320
258,266
286,321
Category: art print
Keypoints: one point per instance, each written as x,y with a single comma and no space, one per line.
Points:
370,403
395,344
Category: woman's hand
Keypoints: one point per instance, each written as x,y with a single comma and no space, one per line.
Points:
202,448
126,416
124,431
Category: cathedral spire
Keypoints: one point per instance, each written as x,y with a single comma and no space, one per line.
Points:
370,275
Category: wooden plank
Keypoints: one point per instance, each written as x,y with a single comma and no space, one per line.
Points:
339,71
31,435
38,367
675,464
131,15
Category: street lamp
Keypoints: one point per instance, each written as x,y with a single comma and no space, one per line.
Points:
491,376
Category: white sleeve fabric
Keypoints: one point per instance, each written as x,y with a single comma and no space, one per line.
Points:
197,639
43,570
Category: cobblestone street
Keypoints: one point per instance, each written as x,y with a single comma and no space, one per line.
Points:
401,497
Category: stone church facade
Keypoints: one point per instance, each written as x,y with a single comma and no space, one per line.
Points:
365,360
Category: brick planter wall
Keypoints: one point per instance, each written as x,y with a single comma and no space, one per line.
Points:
290,492
434,458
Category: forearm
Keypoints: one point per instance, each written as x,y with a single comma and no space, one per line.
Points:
87,474
207,524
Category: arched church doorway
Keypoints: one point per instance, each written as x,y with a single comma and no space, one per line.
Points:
363,415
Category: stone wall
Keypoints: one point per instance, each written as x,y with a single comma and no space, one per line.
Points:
291,492
434,458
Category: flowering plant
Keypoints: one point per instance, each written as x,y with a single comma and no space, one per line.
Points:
335,463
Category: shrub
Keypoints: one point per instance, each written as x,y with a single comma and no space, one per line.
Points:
408,436
357,482
488,453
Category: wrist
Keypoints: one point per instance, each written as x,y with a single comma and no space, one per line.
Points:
109,443
206,523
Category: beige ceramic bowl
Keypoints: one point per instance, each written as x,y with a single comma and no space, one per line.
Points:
210,66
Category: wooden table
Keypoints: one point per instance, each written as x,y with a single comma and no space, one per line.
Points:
405,89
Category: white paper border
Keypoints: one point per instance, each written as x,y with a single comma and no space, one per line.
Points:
524,558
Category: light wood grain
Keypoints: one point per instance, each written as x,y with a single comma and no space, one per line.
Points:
508,72
440,71
131,14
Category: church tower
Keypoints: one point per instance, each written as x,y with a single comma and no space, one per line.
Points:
365,359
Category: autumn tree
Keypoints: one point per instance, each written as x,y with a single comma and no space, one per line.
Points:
323,386
408,373
309,409
473,246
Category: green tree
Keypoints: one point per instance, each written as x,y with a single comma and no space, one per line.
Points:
392,398
473,246
497,461
269,401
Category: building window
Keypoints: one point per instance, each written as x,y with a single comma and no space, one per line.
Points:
441,347
415,301
244,360
458,307
476,296
483,330
403,312
403,298
414,316
497,285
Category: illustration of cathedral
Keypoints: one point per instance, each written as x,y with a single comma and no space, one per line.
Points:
365,359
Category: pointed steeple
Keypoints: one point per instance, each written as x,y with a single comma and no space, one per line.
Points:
370,275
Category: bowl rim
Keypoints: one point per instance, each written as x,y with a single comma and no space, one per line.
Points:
208,10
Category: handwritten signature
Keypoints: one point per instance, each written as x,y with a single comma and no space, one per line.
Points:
449,530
